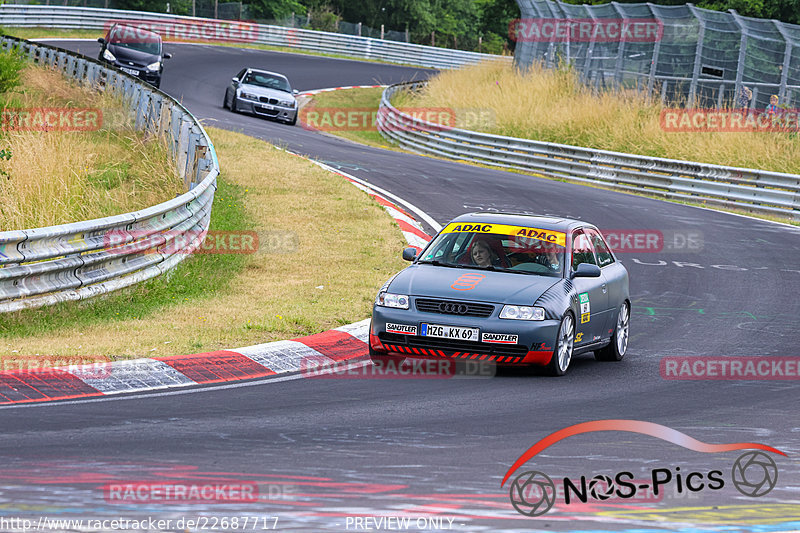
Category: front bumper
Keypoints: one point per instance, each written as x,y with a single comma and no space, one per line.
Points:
153,78
535,340
276,111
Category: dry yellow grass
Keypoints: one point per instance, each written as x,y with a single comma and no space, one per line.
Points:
553,106
345,243
56,177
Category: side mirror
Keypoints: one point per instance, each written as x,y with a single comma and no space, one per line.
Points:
235,80
295,92
409,254
167,56
101,40
587,270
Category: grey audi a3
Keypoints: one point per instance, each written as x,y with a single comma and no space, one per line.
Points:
506,289
262,93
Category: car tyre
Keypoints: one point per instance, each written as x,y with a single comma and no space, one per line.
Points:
293,121
616,349
225,101
565,342
233,104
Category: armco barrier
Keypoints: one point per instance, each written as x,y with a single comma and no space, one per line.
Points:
756,191
76,261
13,15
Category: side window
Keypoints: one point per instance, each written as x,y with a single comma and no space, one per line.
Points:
604,256
241,73
581,250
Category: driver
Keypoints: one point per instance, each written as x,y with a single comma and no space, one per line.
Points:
549,256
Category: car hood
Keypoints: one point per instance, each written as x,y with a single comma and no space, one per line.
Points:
129,55
495,287
269,93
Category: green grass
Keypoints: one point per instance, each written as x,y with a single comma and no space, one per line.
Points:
197,277
360,99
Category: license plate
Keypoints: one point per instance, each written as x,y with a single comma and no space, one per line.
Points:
449,332
130,71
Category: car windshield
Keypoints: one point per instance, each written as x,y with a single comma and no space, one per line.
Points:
135,39
524,250
267,81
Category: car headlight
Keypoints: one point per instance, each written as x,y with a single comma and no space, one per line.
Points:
388,299
108,55
522,312
153,67
248,96
287,103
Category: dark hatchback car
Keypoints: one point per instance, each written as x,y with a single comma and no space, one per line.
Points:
134,50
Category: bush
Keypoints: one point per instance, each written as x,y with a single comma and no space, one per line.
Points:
11,64
324,19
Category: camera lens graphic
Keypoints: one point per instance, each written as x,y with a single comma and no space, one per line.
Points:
754,474
532,493
601,487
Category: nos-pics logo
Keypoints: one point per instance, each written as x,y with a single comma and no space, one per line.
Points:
534,493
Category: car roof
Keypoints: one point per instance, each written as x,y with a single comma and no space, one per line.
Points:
562,224
134,29
267,72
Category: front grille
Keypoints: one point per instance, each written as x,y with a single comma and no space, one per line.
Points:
266,100
448,307
451,346
264,111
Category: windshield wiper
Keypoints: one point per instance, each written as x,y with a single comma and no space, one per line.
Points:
436,262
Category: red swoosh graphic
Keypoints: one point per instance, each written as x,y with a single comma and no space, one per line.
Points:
633,426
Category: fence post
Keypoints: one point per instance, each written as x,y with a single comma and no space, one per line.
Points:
787,59
620,51
742,54
651,79
697,55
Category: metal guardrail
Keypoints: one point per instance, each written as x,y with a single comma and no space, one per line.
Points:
13,15
80,260
756,191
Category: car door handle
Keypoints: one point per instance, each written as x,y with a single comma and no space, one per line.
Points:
605,288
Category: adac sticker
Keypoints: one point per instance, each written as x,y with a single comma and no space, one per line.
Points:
555,237
585,318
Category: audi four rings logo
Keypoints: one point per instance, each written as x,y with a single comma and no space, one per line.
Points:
467,282
453,309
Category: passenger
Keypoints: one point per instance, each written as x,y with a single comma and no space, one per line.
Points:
483,255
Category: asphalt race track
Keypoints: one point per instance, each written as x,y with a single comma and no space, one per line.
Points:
325,451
